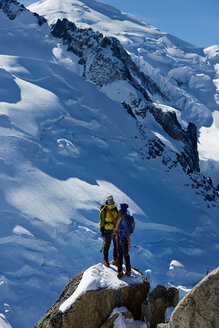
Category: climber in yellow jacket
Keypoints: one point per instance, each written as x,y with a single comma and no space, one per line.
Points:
108,219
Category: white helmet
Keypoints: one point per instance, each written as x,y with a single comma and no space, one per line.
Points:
109,197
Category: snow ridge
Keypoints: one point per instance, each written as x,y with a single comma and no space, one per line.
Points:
185,73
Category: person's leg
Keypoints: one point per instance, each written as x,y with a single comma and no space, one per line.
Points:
107,246
120,255
115,250
125,250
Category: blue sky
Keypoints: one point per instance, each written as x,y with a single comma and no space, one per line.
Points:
195,21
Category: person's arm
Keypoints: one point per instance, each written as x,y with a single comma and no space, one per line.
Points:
102,221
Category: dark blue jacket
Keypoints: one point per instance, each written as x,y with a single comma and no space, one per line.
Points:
123,229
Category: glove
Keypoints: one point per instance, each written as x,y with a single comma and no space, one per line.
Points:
102,231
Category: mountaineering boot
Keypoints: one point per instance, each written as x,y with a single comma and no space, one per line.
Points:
115,262
128,273
106,263
120,274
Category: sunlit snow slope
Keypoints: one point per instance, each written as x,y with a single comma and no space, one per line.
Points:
185,73
64,146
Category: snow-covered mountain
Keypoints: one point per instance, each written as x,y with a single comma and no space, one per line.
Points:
66,141
186,74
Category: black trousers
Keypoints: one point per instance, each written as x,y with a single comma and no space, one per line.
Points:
123,250
108,234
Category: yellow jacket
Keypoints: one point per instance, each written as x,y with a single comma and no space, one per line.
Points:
106,221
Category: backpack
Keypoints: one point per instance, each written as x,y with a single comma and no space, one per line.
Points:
131,224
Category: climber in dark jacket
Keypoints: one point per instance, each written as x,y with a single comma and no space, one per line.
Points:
123,241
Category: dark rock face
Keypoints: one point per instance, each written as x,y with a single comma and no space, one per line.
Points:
110,62
169,122
191,146
171,126
205,188
41,19
98,305
158,301
154,147
12,8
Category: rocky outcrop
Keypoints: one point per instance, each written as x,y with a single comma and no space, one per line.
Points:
154,308
97,298
199,308
94,307
99,304
204,187
12,8
168,120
